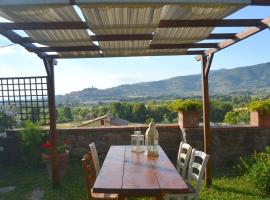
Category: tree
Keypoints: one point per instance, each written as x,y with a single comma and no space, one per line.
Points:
219,110
139,112
236,117
117,109
68,114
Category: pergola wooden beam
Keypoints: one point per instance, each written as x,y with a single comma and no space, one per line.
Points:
66,49
42,25
17,39
265,23
260,3
162,24
209,23
180,46
97,48
193,52
121,37
216,36
127,37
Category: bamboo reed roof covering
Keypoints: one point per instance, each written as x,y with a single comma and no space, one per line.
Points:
112,28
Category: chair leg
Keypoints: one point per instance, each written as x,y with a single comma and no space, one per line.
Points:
121,197
159,197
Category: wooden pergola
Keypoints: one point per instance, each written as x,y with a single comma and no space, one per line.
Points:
122,28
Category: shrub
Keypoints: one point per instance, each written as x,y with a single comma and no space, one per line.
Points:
260,176
186,105
7,118
31,138
236,117
261,106
257,169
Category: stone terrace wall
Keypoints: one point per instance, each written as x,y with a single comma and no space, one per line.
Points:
228,144
170,137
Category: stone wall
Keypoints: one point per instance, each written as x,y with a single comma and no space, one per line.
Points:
170,137
228,143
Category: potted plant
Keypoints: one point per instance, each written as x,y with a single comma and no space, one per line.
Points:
259,113
61,158
188,112
31,138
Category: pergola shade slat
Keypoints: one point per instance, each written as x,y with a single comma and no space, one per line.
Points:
151,27
38,23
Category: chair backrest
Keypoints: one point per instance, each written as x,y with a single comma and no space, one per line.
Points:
197,165
183,158
88,172
94,153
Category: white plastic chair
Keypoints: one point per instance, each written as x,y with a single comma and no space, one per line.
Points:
195,174
94,153
183,158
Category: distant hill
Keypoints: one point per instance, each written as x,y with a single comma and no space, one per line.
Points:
251,79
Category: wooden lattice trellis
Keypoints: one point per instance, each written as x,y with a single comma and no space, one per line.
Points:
28,94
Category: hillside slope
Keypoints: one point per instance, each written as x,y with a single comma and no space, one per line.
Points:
224,81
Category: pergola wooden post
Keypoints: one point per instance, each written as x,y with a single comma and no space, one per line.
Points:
206,64
49,65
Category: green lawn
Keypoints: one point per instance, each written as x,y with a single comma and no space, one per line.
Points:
72,188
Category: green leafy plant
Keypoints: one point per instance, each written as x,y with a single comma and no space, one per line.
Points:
186,105
261,106
32,137
61,148
7,118
257,169
236,117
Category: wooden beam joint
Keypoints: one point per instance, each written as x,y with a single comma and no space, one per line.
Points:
265,23
260,2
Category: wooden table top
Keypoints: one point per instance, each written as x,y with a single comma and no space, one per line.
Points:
129,173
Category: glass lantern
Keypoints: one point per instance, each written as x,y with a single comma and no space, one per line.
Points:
151,140
137,142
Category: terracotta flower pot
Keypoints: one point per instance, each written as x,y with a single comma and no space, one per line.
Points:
257,119
188,119
61,161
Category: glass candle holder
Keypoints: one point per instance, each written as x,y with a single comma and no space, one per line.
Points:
137,142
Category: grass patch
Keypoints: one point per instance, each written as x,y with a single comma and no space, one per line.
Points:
72,188
26,180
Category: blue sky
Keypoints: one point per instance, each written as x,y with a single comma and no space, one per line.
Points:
76,74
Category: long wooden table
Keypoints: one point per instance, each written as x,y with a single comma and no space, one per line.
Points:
135,174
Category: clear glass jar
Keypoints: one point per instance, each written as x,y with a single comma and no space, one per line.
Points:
137,142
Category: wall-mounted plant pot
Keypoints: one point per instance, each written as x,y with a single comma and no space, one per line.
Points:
257,119
61,161
188,119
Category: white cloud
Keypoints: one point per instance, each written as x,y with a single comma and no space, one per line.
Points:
8,71
6,50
